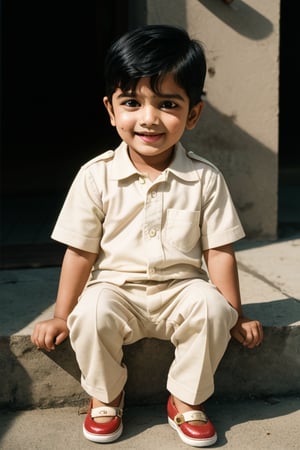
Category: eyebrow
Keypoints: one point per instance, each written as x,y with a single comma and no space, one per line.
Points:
162,95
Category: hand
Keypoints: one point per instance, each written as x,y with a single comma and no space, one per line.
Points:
248,332
49,333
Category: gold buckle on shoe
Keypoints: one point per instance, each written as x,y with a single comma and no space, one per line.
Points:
190,416
179,419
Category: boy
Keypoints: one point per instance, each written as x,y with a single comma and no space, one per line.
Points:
137,222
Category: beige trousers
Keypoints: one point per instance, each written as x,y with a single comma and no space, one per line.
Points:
192,314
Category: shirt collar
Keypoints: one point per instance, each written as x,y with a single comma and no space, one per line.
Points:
181,165
122,166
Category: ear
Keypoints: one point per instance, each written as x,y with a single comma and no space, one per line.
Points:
194,115
110,110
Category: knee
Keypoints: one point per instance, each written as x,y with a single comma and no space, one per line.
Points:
212,307
93,312
105,310
220,313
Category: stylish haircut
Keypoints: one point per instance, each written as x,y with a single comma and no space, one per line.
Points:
154,51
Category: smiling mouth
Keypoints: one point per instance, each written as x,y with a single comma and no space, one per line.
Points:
145,135
149,137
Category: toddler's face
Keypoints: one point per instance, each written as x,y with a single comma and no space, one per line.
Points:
149,123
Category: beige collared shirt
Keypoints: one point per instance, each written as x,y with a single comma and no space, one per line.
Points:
144,230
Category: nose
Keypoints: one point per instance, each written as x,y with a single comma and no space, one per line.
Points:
149,116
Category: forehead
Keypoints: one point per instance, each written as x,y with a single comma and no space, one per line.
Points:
164,86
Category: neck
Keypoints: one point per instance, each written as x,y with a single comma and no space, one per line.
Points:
151,164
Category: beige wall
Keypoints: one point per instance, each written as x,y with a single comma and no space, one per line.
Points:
238,130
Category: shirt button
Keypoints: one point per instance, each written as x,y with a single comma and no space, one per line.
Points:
142,180
153,194
152,270
152,232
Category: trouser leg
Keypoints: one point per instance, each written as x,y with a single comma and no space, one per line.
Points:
100,324
201,320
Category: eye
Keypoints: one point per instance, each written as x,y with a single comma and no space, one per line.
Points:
168,104
130,103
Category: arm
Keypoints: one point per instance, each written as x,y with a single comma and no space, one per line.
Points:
75,271
222,268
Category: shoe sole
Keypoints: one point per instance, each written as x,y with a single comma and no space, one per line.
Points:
190,441
103,438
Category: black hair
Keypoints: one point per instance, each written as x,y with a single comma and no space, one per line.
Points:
153,51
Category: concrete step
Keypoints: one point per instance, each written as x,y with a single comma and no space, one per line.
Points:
269,277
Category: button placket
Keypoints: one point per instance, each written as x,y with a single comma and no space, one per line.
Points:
152,232
153,220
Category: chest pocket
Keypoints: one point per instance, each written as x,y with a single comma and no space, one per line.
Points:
182,229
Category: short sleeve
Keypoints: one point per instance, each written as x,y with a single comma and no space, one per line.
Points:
79,223
220,223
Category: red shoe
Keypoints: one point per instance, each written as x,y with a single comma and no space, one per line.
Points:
104,432
194,435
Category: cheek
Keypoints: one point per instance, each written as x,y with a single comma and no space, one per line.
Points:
176,125
124,121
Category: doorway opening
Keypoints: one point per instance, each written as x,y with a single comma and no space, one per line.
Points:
53,116
289,155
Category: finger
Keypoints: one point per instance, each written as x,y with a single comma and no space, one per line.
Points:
254,339
38,335
61,337
34,335
257,332
237,335
241,338
41,340
38,342
261,333
249,340
49,342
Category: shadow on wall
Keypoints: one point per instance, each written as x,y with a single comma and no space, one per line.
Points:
241,18
243,161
